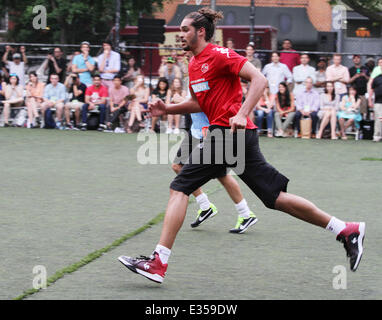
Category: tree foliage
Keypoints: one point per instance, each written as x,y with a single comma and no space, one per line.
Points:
73,21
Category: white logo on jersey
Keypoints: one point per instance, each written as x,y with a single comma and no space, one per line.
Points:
222,51
205,68
199,87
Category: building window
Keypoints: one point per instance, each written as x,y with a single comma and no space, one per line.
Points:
357,28
4,22
285,23
230,18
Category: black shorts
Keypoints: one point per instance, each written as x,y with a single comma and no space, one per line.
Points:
240,152
189,143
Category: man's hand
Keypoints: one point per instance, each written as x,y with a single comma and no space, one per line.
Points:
237,122
157,108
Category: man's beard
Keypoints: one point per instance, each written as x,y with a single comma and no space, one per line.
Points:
193,41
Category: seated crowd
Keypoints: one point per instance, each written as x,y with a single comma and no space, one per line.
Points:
92,92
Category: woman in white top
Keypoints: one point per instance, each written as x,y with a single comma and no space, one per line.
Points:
139,104
177,95
13,96
328,110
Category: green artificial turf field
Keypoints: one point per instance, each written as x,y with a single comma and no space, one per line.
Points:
72,202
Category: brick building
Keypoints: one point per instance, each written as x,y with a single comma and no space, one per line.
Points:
298,20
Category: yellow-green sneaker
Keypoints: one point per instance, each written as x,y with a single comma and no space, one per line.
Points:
243,224
203,215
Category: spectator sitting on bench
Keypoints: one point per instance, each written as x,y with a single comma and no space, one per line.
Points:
34,98
349,111
307,106
54,97
329,103
95,98
77,89
13,96
284,108
139,104
117,103
264,108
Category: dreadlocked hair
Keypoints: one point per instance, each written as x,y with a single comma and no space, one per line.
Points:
205,18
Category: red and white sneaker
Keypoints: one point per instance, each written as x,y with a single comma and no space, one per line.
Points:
352,237
150,267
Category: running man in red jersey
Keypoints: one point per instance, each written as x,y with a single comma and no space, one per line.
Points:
215,74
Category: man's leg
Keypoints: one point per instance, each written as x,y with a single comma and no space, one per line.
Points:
59,112
174,217
297,118
6,112
84,116
301,209
246,218
68,107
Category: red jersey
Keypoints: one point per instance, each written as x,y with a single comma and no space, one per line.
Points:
96,93
214,78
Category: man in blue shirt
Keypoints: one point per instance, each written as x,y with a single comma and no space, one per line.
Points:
54,97
246,218
84,64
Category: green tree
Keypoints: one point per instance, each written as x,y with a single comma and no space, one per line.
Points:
73,21
368,8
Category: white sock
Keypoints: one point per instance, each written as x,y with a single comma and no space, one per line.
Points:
164,253
243,209
335,225
203,201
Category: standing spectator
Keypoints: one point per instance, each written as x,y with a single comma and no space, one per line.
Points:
338,74
301,72
77,91
56,64
329,104
320,83
13,96
349,111
139,103
84,64
285,109
117,103
291,59
376,89
16,66
264,108
54,97
370,64
160,92
276,72
109,64
95,98
34,99
360,75
69,68
230,44
177,95
307,106
170,70
132,72
249,54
